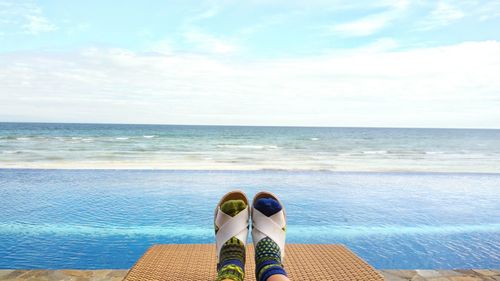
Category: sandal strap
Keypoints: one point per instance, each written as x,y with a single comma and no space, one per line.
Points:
231,226
271,227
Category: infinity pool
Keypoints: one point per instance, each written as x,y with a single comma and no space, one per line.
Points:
95,219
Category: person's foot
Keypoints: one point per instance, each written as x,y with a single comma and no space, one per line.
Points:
268,234
231,231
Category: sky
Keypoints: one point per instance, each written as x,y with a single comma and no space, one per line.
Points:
390,63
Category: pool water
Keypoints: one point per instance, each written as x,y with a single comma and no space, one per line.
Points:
96,219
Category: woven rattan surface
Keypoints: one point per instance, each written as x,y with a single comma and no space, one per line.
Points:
303,262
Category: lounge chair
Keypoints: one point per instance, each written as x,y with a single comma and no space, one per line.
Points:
303,262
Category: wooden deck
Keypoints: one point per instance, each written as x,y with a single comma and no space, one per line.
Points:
304,262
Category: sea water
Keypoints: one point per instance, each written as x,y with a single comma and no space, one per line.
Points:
397,215
247,148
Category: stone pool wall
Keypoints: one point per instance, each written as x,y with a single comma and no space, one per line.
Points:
118,275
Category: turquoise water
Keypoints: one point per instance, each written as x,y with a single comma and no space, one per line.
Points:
427,198
108,218
247,148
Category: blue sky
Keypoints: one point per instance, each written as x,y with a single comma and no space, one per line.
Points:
317,63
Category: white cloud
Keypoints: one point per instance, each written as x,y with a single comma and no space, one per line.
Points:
162,47
25,16
38,24
332,5
443,14
202,41
488,11
449,86
379,45
373,23
204,14
209,43
363,27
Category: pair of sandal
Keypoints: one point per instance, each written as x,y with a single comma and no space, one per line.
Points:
273,226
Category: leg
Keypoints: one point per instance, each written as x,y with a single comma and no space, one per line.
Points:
272,278
268,213
278,277
231,215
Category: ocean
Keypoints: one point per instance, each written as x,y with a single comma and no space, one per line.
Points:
90,196
30,145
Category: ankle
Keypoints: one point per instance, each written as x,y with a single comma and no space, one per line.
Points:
268,260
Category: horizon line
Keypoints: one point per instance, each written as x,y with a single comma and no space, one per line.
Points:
233,125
